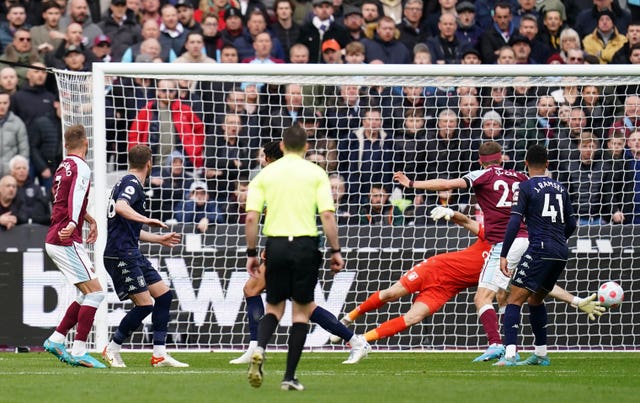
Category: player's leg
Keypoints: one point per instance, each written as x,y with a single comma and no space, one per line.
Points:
122,271
419,310
488,286
160,317
511,323
297,337
76,266
266,328
255,310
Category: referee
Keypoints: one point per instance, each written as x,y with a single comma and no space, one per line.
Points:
294,190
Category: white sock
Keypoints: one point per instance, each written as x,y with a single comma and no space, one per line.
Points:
79,348
354,340
540,351
57,337
510,351
115,347
159,350
252,345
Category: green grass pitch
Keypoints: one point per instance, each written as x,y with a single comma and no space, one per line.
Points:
382,377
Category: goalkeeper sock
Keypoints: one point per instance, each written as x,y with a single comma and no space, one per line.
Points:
297,337
330,323
511,324
388,328
131,322
489,319
255,310
68,321
373,302
160,318
538,320
267,326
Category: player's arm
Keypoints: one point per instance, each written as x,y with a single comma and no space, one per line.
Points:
124,210
587,305
432,184
457,217
251,234
170,239
330,228
93,228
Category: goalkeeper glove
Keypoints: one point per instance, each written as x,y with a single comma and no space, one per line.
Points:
441,212
591,307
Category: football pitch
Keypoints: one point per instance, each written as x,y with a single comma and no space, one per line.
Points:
382,377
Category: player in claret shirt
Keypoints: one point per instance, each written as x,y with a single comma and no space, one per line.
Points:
64,247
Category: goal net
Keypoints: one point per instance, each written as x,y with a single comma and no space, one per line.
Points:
206,126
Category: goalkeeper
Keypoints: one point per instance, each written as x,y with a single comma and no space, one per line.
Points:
441,277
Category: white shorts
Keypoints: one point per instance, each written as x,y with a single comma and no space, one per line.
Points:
72,261
491,277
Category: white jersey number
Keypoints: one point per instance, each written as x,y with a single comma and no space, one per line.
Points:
549,210
502,186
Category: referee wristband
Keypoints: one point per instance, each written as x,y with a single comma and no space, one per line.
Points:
252,252
335,250
411,184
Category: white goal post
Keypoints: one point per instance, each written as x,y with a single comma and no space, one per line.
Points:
207,272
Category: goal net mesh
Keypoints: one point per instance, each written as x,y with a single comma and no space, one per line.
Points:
208,130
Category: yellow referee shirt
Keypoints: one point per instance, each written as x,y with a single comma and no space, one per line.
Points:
294,190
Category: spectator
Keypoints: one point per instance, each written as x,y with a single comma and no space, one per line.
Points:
285,29
371,11
215,8
256,24
320,28
74,59
565,147
598,112
344,116
366,157
384,47
614,155
45,148
409,144
498,35
412,29
20,52
73,37
194,44
8,80
8,203
102,49
469,113
150,45
78,12
169,188
521,46
377,210
344,213
198,209
550,30
233,26
587,180
227,157
331,52
623,56
432,19
16,18
445,47
150,11
630,122
493,130
605,40
298,54
33,99
354,53
33,203
165,124
281,117
121,27
574,56
542,126
263,50
587,20
236,206
525,7
354,22
172,33
13,135
471,56
186,16
211,35
321,149
631,194
569,39
540,51
469,31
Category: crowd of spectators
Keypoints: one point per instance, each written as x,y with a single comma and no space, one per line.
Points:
206,137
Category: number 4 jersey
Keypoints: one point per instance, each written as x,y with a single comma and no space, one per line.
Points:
494,188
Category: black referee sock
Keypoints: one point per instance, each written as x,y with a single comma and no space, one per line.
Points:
267,326
297,337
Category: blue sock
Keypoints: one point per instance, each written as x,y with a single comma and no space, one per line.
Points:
255,310
131,322
538,320
160,318
511,324
330,323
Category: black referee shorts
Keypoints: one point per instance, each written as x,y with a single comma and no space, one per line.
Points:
292,268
